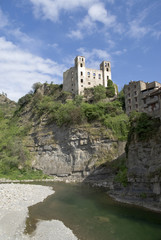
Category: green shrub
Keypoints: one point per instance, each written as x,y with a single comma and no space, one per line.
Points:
99,93
25,100
119,125
110,92
143,126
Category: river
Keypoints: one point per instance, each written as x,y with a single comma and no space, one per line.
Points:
92,215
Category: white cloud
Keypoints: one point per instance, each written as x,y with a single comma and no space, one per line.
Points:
50,9
97,12
120,52
88,25
137,31
111,43
77,34
156,34
94,57
20,69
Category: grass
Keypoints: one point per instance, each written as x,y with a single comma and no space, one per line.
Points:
28,174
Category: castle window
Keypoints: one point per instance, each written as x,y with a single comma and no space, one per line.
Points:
136,99
89,83
129,95
129,107
105,64
107,69
94,75
81,73
144,101
82,59
108,64
136,105
81,80
79,58
99,76
81,65
135,92
81,85
107,77
129,101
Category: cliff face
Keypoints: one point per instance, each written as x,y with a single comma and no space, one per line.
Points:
144,170
143,173
71,151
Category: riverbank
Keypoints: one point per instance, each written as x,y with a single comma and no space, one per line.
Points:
14,202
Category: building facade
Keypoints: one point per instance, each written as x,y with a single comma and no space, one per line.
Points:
77,78
136,93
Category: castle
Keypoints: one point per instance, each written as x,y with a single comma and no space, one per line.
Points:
78,78
143,97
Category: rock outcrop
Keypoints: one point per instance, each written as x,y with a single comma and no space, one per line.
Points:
72,151
143,185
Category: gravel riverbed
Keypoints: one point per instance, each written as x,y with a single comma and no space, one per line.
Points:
14,202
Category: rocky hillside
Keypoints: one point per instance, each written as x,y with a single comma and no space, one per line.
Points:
137,179
67,137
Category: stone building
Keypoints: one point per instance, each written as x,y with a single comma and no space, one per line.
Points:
152,103
77,78
136,93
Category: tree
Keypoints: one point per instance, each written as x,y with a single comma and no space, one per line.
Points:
35,86
99,93
121,98
110,89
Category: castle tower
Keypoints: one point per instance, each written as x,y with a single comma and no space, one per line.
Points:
106,69
80,66
78,78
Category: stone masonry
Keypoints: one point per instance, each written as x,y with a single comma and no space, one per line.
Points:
77,78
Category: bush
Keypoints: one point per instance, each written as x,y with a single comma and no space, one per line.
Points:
120,167
67,114
110,89
25,100
143,126
119,125
99,93
35,86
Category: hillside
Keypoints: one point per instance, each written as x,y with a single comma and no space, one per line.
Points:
136,177
65,136
82,138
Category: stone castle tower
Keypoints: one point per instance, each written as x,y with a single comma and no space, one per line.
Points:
77,78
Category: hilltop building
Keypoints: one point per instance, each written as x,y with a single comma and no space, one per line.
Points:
77,78
143,97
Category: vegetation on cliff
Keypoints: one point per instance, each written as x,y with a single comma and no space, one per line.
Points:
14,156
62,109
142,127
59,107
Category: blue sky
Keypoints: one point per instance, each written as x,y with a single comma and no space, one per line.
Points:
39,39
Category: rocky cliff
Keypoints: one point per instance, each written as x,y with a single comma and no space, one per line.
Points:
71,151
142,185
144,171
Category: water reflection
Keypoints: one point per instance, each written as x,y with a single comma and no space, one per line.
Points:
92,215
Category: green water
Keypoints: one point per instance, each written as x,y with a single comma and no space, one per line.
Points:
92,215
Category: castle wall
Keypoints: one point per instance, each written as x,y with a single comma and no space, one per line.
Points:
77,78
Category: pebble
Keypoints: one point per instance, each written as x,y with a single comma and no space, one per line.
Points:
14,202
